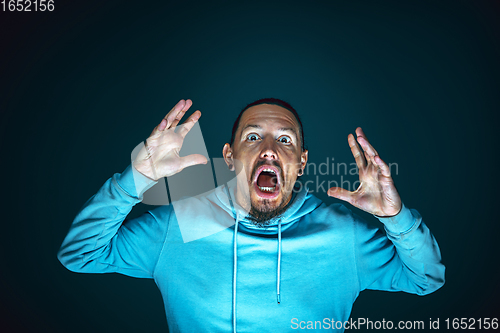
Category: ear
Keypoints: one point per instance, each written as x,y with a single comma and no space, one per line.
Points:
227,153
303,159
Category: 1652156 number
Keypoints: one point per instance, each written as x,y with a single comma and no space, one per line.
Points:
472,323
28,5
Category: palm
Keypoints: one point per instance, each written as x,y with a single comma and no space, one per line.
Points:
160,156
376,193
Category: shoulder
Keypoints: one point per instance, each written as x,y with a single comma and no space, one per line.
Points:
161,213
331,212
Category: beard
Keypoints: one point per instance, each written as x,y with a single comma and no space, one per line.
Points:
263,215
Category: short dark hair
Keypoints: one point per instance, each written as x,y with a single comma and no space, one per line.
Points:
273,101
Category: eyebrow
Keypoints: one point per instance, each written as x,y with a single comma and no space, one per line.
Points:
288,129
282,129
253,126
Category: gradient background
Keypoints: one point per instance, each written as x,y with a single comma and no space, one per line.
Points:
83,85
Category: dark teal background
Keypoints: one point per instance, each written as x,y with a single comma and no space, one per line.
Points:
83,85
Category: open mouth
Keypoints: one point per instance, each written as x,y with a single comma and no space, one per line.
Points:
267,181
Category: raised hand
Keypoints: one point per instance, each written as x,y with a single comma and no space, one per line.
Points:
160,155
376,193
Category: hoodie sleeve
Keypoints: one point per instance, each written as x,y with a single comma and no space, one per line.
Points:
405,257
100,240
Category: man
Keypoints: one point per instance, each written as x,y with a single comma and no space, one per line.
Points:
286,260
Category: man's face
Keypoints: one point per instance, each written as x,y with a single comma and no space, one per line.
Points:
268,146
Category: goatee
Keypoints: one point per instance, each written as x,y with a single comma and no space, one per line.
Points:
262,218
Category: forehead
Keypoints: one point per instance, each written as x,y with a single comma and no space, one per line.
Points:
268,115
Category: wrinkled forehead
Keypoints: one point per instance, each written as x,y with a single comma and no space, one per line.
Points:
268,116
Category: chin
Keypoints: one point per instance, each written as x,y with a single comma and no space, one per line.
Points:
264,210
266,204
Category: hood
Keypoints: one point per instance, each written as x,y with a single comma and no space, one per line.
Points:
301,203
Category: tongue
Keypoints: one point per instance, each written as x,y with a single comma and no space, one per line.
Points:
266,179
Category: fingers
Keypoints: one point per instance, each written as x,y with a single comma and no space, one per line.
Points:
161,126
188,104
384,168
371,154
193,159
356,152
340,193
177,111
367,157
365,144
173,116
189,123
181,113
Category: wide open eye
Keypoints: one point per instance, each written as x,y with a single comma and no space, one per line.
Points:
252,137
284,139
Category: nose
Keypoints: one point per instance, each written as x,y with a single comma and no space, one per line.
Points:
268,154
268,149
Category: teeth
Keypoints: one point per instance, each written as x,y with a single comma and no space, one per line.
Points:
266,189
269,170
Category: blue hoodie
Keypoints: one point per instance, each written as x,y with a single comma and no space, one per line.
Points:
309,265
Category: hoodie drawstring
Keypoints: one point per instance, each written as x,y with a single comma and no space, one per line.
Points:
235,256
278,278
235,261
235,268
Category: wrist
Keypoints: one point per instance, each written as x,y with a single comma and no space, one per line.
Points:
392,215
399,223
134,182
139,168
